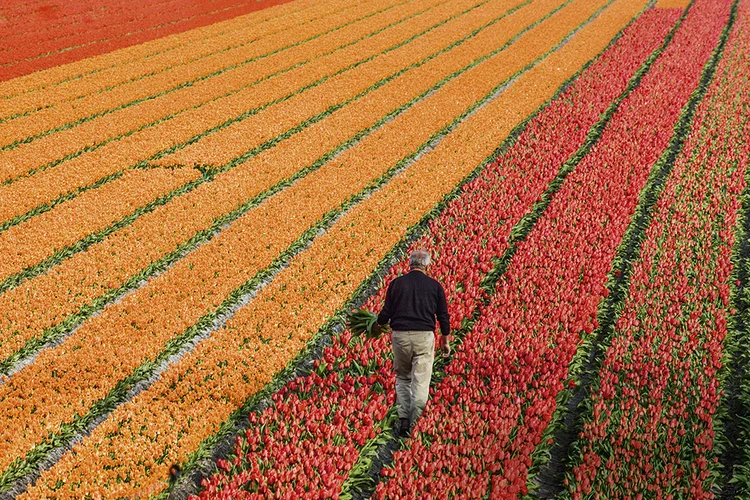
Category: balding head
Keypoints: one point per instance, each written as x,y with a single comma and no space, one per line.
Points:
419,259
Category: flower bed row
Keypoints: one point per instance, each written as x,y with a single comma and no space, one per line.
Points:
200,211
68,377
652,423
264,335
184,16
42,89
492,409
300,432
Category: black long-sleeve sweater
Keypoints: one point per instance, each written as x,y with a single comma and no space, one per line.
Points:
412,302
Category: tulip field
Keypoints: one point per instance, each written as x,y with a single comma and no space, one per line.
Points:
195,193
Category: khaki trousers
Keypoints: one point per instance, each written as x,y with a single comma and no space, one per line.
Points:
413,354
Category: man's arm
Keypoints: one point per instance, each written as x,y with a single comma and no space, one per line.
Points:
387,312
442,312
445,321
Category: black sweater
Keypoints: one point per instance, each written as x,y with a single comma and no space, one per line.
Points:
412,302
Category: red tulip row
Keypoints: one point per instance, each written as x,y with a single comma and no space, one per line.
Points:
652,426
491,411
66,20
733,431
52,37
345,402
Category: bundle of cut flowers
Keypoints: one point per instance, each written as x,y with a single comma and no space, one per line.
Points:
364,322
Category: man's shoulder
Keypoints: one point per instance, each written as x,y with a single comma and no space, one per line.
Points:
399,279
397,282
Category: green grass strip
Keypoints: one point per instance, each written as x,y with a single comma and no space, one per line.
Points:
87,310
69,431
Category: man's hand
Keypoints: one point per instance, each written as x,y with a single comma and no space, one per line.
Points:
377,329
445,347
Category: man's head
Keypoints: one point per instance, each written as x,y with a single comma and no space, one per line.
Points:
419,259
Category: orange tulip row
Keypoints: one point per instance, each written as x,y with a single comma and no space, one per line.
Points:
193,397
26,311
98,74
68,379
27,244
132,107
86,69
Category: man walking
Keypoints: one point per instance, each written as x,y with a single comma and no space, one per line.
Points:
412,302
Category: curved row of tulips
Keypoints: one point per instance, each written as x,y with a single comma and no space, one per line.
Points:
494,406
186,221
354,377
52,35
652,426
164,422
63,362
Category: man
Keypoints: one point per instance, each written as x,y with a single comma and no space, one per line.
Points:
412,302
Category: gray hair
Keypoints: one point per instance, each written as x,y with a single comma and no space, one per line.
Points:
419,258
